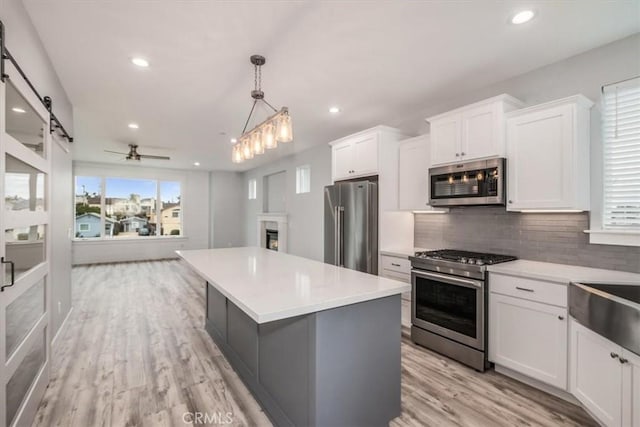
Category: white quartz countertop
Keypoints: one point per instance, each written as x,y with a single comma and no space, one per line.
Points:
562,273
270,285
401,252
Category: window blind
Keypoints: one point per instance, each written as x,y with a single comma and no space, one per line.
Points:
621,144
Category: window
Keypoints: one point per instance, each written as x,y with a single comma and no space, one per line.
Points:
88,206
621,144
131,208
621,164
253,189
128,206
303,179
170,197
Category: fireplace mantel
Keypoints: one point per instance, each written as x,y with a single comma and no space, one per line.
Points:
280,218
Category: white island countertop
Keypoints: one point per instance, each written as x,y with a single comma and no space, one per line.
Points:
562,273
270,285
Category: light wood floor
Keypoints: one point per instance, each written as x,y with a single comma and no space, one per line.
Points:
134,352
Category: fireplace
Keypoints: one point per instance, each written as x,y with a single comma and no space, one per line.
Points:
273,224
272,239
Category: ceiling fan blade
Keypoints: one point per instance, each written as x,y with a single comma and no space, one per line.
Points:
115,152
147,156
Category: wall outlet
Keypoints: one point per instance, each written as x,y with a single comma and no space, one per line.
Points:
59,307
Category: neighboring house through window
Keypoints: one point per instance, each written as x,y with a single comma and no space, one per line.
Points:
130,207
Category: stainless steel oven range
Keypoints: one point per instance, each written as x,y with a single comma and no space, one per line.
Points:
449,303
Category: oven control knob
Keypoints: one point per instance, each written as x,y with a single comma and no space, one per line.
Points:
464,260
479,262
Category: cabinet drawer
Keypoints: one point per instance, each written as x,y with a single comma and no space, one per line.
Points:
390,274
533,290
400,265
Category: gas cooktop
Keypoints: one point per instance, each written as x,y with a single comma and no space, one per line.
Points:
464,257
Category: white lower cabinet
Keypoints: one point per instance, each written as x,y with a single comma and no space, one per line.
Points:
604,377
631,387
529,337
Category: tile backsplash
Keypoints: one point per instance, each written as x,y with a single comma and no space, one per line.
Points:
548,237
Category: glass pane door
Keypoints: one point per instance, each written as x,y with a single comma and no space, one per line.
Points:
24,248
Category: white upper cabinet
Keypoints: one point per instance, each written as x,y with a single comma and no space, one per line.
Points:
475,131
370,152
446,133
413,174
360,154
365,151
356,157
342,156
548,156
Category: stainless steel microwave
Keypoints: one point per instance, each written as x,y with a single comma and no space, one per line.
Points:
480,182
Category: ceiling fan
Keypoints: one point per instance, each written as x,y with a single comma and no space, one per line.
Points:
134,155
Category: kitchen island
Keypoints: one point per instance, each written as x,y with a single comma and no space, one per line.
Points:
317,345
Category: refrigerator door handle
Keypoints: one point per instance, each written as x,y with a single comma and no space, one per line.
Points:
336,236
340,239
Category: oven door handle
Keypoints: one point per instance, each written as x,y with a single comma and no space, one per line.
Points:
448,279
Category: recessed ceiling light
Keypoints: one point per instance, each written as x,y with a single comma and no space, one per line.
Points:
234,140
140,62
18,110
334,110
196,163
133,126
522,17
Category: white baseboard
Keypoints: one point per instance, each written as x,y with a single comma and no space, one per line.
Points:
61,329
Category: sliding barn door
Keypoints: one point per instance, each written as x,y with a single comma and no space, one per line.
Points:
25,159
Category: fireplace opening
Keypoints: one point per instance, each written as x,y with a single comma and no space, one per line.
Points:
272,239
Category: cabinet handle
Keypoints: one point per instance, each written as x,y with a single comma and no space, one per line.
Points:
614,355
395,265
623,360
510,201
13,273
462,154
524,289
561,317
457,154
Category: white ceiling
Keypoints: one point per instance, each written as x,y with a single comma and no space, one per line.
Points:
378,61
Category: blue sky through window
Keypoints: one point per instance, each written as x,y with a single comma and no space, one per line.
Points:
124,187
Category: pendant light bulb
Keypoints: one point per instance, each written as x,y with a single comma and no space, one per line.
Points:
236,155
247,151
284,130
269,136
256,143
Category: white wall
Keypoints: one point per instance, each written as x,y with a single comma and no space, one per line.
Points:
275,187
585,73
61,230
23,42
195,217
228,191
305,211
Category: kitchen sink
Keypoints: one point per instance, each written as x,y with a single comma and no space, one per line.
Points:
609,309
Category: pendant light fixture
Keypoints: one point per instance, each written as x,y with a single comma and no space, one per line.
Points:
267,134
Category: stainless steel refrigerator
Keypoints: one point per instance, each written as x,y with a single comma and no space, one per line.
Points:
351,225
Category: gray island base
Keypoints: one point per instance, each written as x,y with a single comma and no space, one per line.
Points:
337,367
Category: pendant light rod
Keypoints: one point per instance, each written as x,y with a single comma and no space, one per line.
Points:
268,133
249,118
283,110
